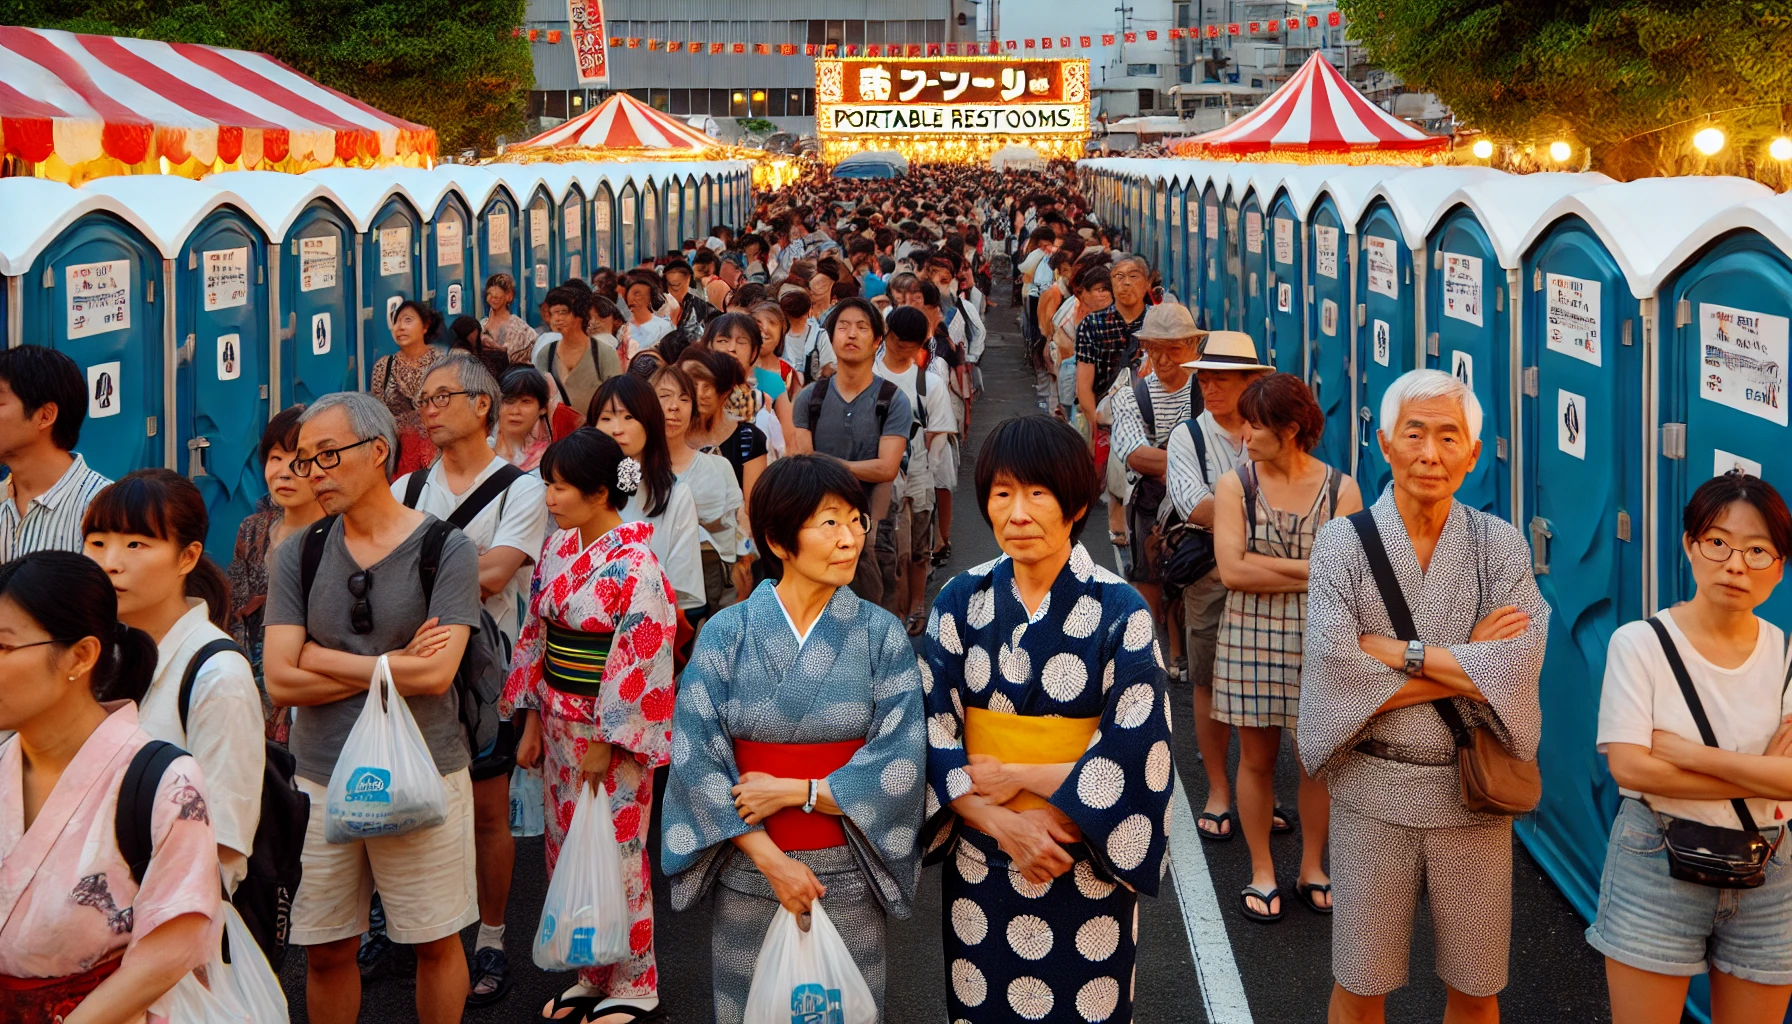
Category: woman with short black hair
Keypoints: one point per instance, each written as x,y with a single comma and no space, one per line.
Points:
807,701
1049,737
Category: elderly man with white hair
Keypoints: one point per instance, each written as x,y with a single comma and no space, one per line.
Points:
1425,637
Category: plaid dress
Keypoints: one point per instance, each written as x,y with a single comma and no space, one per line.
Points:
1256,674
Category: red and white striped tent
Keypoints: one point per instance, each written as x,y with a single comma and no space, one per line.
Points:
1315,111
84,106
620,123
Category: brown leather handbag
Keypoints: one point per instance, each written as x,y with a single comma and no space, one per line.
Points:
1493,781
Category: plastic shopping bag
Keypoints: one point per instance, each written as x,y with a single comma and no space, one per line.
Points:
807,976
247,980
585,920
190,1002
385,782
527,804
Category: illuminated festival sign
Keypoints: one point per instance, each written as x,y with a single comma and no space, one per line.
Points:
954,109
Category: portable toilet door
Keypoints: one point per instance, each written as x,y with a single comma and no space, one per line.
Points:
500,245
627,216
1469,336
706,206
1189,244
221,375
317,305
1284,288
575,240
391,272
1175,255
603,232
1387,332
1254,275
1214,255
1329,259
96,293
538,255
449,253
692,221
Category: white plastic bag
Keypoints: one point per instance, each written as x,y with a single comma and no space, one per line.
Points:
585,919
528,815
385,782
247,980
807,975
190,1002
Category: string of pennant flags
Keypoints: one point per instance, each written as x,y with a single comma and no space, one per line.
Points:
968,49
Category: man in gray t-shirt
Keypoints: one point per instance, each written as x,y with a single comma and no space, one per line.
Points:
319,656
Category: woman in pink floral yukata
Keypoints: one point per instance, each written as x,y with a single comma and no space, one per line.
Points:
85,937
592,680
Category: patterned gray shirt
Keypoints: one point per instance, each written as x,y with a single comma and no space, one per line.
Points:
1481,563
53,520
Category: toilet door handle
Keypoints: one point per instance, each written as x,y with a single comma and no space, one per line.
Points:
1540,536
196,449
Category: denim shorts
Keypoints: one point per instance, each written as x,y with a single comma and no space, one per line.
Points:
1659,924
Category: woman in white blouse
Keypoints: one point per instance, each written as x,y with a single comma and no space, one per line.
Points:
711,481
629,411
148,532
1658,931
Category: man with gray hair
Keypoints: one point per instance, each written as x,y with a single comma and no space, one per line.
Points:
1425,632
504,512
341,594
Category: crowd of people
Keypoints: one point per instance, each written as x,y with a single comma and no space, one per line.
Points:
673,552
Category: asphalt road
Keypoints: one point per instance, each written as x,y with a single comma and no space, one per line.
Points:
1246,974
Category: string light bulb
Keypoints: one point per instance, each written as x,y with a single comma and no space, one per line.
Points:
1483,149
1780,148
1560,151
1709,140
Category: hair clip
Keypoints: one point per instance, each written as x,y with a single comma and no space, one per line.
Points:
628,476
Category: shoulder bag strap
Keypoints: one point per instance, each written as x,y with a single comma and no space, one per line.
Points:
133,821
429,560
483,495
818,394
194,664
414,482
1247,476
1336,481
311,555
554,369
1141,393
1697,708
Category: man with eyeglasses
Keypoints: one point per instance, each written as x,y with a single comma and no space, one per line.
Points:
504,512
365,599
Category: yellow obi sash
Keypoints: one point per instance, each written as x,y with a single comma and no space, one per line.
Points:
1026,739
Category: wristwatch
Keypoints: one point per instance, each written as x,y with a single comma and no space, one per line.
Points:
1415,658
814,785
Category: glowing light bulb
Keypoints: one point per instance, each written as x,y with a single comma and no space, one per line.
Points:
1708,141
1483,149
1780,148
1560,151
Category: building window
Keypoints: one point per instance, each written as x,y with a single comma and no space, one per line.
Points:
808,102
1147,99
737,103
836,33
855,33
917,31
818,33
660,99
557,103
757,102
640,94
681,101
774,102
1137,70
718,102
936,30
538,103
874,33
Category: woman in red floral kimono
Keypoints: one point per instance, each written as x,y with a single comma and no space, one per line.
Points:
592,681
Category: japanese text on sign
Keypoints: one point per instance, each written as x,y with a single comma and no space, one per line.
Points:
1462,288
951,82
1253,232
448,241
497,232
1383,265
226,278
1212,222
99,298
317,263
588,46
1325,251
1284,240
574,218
538,227
1571,307
395,250
1743,360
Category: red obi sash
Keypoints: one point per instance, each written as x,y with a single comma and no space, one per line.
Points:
790,828
46,1000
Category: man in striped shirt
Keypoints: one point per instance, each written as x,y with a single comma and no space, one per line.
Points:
43,400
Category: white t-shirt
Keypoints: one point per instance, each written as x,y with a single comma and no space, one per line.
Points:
918,482
518,519
1744,705
677,534
1028,265
647,335
718,498
809,337
225,732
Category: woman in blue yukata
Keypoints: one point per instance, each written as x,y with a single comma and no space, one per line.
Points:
798,742
1049,764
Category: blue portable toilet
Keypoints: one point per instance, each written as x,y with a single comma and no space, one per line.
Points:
572,237
536,256
1251,196
85,277
628,216
652,215
1389,306
311,283
1472,294
603,224
222,327
1174,258
390,264
1194,244
1592,269
1285,279
496,233
450,279
1331,266
1233,182
1215,238
706,206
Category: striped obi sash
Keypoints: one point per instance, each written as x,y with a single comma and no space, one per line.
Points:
790,828
574,660
1026,739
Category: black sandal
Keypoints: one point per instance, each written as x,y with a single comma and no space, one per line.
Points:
1274,896
1305,891
561,1006
1222,820
636,1014
1281,822
491,963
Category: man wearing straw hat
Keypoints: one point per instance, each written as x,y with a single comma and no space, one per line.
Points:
1200,451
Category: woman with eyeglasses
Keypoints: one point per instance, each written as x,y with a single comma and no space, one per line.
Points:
1682,792
591,682
397,379
799,752
85,936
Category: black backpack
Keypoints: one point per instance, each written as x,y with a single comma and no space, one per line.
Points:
264,896
886,393
1188,549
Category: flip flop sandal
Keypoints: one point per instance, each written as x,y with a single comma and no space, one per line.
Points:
1306,890
636,1015
490,964
1282,822
570,1009
1220,821
1273,896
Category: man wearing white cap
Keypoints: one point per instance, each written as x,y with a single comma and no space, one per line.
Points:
1144,416
1200,451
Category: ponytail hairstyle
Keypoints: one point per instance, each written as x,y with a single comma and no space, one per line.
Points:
71,597
161,503
635,395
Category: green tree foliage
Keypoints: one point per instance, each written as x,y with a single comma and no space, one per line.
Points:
1630,80
448,64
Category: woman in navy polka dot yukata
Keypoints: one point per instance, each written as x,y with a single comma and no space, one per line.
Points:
1048,756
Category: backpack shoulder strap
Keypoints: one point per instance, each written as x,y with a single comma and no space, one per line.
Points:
554,370
1141,393
1383,570
1337,481
311,555
1197,435
133,820
1696,706
886,394
473,504
818,394
1247,476
414,482
429,560
194,664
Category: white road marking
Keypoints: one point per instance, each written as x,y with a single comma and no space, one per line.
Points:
1222,989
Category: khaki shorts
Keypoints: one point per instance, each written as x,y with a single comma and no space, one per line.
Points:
914,534
425,878
1203,605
